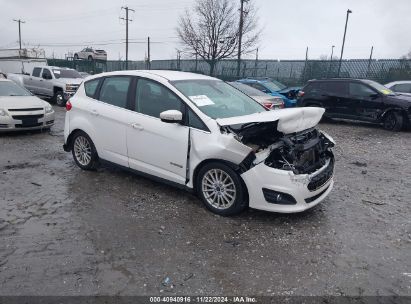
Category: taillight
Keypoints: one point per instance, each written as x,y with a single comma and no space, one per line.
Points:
268,105
68,105
300,93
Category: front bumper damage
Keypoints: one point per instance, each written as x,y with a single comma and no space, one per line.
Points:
282,191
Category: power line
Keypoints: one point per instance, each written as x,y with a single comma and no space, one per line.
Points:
126,8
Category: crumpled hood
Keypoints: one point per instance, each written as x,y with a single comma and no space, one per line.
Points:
21,102
289,120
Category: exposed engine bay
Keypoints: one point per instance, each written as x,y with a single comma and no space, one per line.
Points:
302,153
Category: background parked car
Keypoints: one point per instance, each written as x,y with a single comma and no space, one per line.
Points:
274,88
358,99
403,87
51,82
91,54
21,110
84,74
268,101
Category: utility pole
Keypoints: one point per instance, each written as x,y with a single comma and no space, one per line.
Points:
126,8
148,52
240,35
342,48
331,60
369,61
19,21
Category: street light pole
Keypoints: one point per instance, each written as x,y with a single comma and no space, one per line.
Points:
342,48
332,52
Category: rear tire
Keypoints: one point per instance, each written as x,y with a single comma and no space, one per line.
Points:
84,152
59,98
393,121
221,189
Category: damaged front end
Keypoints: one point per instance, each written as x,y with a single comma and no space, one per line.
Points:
303,152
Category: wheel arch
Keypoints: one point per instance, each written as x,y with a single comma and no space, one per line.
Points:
394,109
57,89
235,167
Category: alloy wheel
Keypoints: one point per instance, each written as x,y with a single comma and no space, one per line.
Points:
82,150
218,189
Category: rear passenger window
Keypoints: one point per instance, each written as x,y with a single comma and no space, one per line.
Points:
91,87
114,91
36,72
337,88
403,88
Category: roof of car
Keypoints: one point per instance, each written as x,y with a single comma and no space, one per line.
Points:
399,82
166,74
337,79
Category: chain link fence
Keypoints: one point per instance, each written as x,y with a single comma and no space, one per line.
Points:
289,72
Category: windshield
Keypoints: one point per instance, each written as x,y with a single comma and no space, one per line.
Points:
379,87
9,88
274,87
60,73
218,99
246,89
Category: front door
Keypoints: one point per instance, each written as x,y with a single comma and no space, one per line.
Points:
368,102
156,147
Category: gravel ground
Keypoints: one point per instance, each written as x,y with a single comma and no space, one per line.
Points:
64,231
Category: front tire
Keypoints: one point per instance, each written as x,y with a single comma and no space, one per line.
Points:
84,151
59,98
393,121
75,57
90,58
221,189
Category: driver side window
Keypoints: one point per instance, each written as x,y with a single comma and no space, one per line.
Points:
358,89
152,98
46,74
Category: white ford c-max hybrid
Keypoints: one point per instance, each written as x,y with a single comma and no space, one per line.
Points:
199,133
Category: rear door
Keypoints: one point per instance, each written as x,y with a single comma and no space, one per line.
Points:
156,147
46,83
30,81
335,95
108,115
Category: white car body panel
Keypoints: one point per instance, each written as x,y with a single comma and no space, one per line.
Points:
164,149
148,145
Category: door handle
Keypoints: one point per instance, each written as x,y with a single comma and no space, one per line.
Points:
137,126
94,112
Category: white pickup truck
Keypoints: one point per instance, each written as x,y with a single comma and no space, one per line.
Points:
49,81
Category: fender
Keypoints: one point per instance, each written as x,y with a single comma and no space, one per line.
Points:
397,109
78,122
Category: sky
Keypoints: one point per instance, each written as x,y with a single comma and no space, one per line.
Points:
288,27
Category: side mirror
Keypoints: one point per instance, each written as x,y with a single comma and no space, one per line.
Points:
266,91
171,116
46,77
374,96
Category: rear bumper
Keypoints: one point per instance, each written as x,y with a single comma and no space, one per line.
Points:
262,179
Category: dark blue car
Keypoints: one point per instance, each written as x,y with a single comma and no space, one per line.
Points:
274,88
